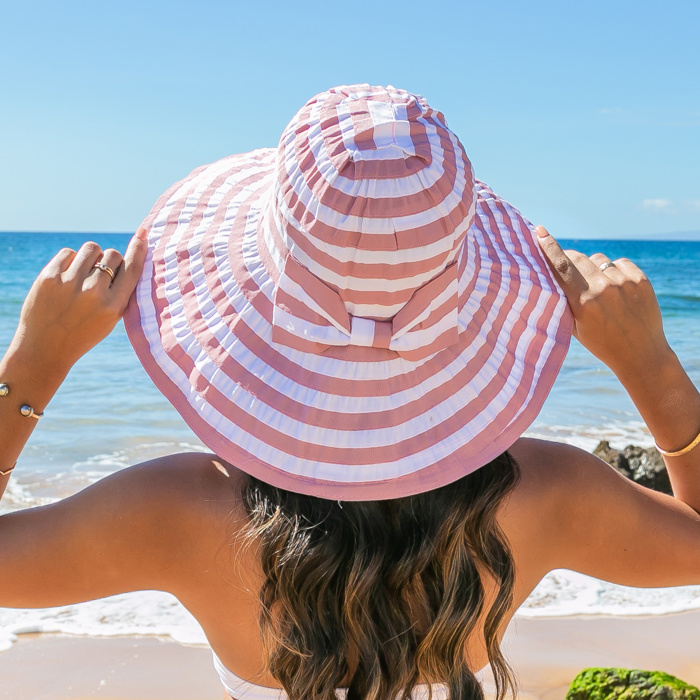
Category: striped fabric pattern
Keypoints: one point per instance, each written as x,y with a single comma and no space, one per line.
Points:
351,315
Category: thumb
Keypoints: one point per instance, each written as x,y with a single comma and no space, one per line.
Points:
568,275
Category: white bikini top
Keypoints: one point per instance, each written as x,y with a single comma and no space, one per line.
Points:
243,690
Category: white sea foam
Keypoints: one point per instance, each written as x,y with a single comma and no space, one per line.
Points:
140,613
18,496
618,433
563,593
560,593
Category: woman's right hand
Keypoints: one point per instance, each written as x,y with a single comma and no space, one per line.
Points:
73,305
616,313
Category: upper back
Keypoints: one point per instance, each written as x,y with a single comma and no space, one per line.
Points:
223,586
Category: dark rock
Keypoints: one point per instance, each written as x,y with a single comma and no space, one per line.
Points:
643,465
624,684
606,453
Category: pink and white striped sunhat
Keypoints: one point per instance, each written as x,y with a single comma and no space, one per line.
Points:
351,315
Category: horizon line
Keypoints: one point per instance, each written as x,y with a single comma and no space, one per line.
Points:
690,236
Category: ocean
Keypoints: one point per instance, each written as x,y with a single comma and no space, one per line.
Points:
108,415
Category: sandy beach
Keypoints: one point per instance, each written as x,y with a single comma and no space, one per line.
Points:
547,654
56,667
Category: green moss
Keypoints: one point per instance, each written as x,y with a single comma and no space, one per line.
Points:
624,684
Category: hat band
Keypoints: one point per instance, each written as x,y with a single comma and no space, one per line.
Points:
310,316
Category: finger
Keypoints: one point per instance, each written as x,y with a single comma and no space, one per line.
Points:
88,254
583,264
599,259
564,268
630,270
131,267
61,261
606,267
111,259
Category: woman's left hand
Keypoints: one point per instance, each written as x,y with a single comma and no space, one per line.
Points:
616,313
74,304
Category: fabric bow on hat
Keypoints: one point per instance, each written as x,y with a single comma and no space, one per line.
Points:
351,315
311,316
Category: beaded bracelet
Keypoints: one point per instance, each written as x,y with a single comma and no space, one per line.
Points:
25,409
684,451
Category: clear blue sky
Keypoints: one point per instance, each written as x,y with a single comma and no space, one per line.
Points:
584,115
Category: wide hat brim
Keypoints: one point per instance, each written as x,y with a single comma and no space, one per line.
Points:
353,423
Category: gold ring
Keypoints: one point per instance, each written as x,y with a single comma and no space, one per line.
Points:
105,268
606,265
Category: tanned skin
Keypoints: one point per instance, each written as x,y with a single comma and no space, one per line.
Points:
171,524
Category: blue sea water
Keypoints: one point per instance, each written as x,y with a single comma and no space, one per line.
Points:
108,415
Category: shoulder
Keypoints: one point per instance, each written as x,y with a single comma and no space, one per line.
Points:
550,468
574,511
561,487
188,476
187,490
181,508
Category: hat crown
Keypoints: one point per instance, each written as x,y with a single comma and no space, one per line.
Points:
359,123
374,195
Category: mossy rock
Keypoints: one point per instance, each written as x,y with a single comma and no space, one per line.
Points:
623,684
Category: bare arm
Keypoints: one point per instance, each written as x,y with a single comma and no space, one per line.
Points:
70,308
618,319
612,528
669,403
158,525
83,547
576,512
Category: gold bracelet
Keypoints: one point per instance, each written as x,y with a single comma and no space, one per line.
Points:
684,451
25,409
7,471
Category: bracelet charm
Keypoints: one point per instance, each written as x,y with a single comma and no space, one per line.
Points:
28,411
25,409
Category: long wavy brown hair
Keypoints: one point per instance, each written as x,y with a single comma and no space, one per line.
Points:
380,596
